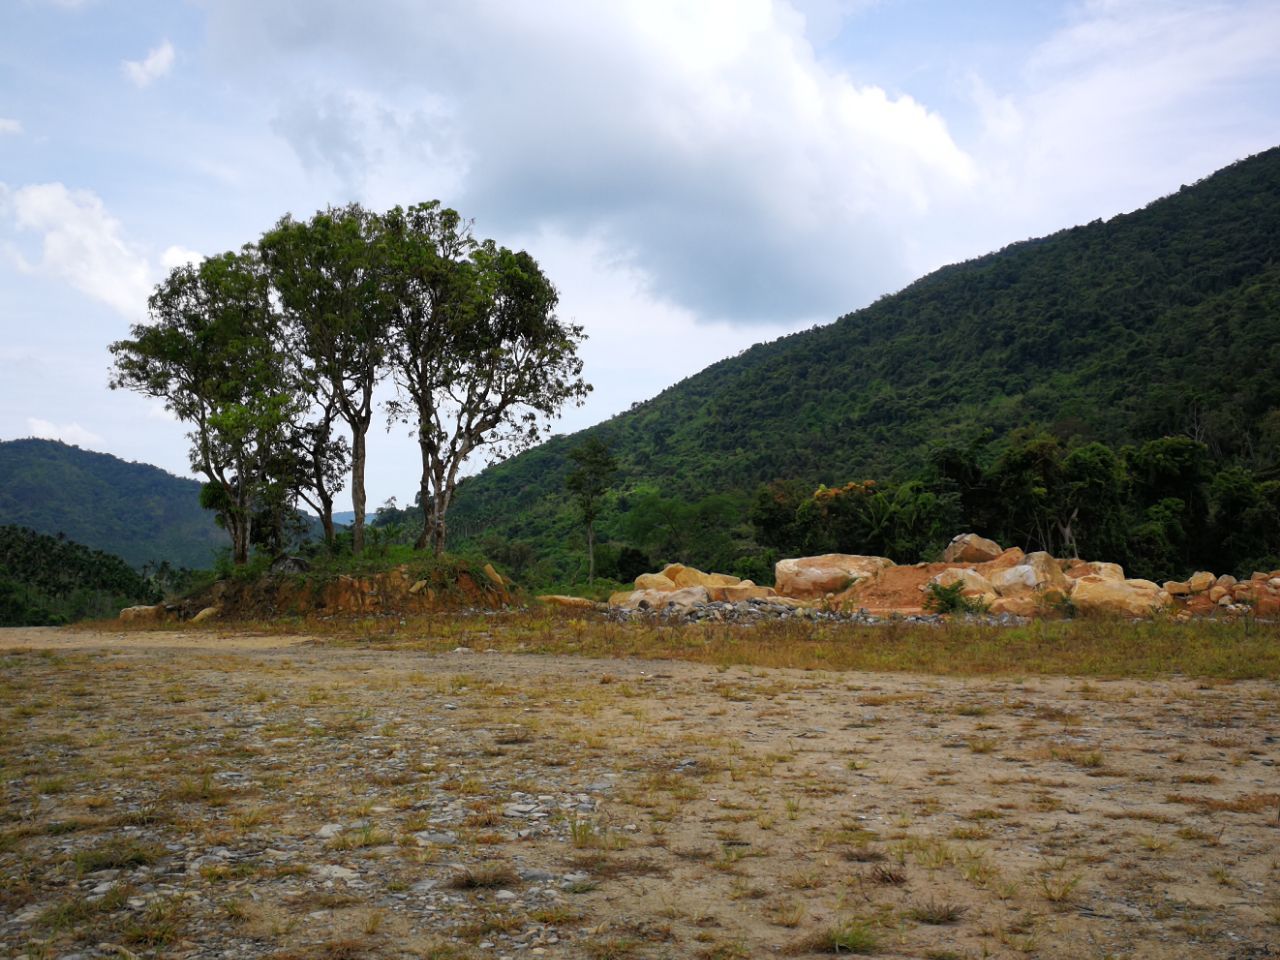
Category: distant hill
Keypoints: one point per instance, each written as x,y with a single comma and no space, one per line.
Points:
1161,321
345,518
132,510
50,580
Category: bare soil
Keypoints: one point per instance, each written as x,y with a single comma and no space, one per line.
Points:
216,794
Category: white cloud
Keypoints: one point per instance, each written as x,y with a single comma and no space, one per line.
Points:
176,256
1129,100
83,245
10,127
705,144
67,432
158,62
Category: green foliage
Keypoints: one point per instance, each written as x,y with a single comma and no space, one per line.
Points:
52,580
594,467
904,522
1161,322
213,353
136,511
951,599
328,277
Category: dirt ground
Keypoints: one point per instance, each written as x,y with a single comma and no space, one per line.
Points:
203,794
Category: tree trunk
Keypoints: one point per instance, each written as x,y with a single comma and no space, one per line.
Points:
326,519
591,552
426,503
357,487
238,526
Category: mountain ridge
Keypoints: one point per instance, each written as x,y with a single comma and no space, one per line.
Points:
136,511
1160,321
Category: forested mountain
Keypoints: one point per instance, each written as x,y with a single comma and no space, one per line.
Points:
132,510
1165,321
51,580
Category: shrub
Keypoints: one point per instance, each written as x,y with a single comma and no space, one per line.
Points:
951,599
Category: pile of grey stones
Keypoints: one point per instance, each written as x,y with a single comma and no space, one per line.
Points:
757,611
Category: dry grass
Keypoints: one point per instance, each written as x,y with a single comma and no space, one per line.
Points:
1234,650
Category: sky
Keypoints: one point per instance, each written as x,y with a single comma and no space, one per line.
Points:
695,176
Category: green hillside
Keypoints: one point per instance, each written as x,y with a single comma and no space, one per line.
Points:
1165,321
132,510
51,580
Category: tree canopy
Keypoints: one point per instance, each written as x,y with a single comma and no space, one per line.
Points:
263,350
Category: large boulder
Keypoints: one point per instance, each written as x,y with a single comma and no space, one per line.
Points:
287,564
811,577
681,601
742,591
654,581
1201,581
1095,568
1038,573
143,614
1017,606
971,548
208,613
1093,596
683,576
495,577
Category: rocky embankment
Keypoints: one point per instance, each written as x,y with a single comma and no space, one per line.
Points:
295,592
993,581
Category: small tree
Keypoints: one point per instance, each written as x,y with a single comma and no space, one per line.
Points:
594,467
477,346
212,353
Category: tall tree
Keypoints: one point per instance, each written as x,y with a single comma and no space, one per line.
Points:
594,467
477,346
212,353
327,276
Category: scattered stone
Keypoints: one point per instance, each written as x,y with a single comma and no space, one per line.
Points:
331,871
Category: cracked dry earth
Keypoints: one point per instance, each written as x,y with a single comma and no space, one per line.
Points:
198,795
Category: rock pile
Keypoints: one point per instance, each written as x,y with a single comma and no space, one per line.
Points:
1003,582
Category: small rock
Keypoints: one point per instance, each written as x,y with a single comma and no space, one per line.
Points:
331,871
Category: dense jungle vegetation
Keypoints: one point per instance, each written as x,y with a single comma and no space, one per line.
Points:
132,510
1160,323
51,580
